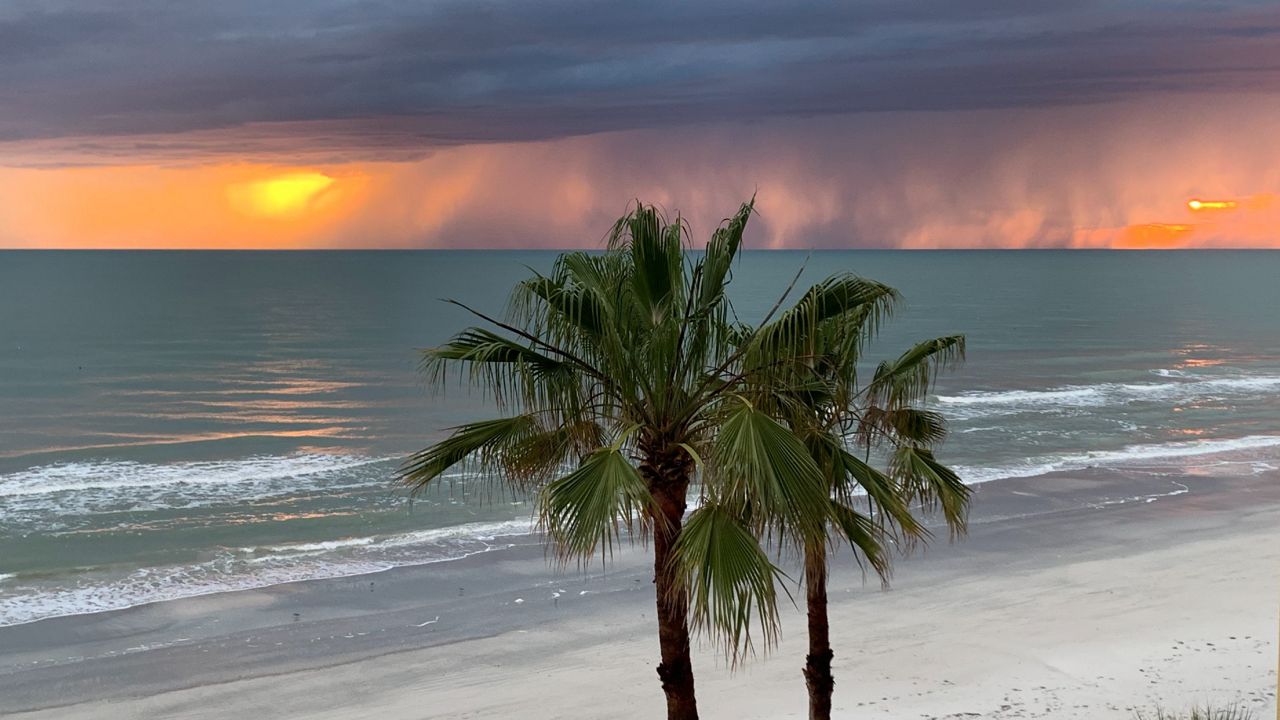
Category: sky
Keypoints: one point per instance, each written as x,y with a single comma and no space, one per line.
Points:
518,124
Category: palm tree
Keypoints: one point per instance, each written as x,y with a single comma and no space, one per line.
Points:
619,377
807,370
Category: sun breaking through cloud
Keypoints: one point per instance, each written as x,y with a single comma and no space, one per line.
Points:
281,196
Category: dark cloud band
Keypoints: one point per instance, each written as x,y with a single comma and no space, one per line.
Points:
381,80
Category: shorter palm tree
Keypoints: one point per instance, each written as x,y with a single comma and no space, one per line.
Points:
806,364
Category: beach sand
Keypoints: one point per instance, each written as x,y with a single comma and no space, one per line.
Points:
1075,596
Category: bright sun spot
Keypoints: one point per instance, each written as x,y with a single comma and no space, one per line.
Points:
1197,204
282,196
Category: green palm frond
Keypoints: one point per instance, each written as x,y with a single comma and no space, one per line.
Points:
479,347
729,580
510,371
864,535
883,492
907,380
795,331
933,484
580,308
765,471
540,454
656,251
482,444
587,509
657,254
720,254
904,425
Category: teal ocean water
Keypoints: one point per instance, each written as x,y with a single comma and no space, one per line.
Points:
174,424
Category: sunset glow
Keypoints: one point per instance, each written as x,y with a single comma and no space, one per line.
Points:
928,182
204,206
1210,204
282,196
845,140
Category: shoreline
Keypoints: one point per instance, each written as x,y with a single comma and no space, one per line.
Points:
1028,537
498,537
503,542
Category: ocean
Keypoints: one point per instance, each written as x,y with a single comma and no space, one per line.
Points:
182,423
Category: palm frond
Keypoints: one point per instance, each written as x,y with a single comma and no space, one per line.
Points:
864,535
587,509
903,425
477,345
509,371
884,494
729,580
580,308
540,454
482,444
656,250
907,380
933,484
723,249
794,331
764,470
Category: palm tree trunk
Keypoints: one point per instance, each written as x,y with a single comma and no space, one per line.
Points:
676,669
667,475
817,669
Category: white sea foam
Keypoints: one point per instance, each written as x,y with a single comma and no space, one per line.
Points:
111,475
254,567
62,490
1075,395
479,531
1152,453
1178,388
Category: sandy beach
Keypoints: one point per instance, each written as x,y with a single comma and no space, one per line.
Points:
1070,599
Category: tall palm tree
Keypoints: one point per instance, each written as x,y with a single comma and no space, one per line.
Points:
619,377
807,371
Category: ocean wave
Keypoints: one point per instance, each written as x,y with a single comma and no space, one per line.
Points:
123,474
1179,388
89,487
254,567
478,531
1152,453
1074,395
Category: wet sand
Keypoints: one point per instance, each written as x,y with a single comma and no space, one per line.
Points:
1080,595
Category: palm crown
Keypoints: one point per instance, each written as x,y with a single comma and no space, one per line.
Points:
622,375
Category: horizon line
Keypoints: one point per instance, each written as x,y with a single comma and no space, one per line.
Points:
1244,248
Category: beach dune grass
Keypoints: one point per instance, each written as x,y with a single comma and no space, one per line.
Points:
1234,711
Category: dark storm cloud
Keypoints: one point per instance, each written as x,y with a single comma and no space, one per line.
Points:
414,75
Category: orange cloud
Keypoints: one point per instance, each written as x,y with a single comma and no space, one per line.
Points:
220,206
1099,176
1247,222
1150,236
